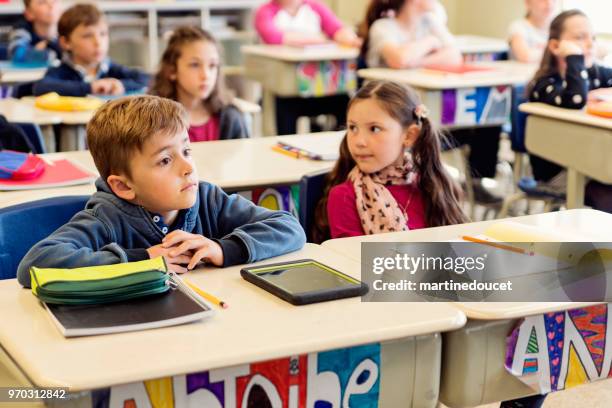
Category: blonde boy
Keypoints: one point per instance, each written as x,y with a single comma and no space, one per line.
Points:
150,203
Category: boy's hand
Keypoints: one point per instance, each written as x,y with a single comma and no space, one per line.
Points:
107,86
175,263
41,45
180,242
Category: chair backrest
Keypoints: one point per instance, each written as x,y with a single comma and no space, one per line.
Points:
311,191
23,225
519,120
34,135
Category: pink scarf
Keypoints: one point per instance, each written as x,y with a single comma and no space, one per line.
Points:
377,208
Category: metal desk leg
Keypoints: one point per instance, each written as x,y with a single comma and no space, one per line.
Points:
269,113
576,183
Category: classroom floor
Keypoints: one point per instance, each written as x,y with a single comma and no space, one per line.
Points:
594,395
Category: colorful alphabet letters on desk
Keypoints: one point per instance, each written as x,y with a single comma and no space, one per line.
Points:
560,350
339,378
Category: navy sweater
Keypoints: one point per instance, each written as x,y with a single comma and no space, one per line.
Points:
67,81
110,230
571,92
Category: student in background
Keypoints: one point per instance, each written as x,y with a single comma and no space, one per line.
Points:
566,75
86,68
34,38
529,35
407,34
150,203
190,73
410,34
389,176
301,22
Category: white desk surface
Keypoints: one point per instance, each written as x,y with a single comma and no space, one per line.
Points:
23,110
567,115
504,73
257,326
473,44
231,164
581,222
17,111
296,54
13,75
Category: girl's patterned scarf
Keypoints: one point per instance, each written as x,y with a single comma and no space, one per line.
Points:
378,210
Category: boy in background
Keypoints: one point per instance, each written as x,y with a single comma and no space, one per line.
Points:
86,68
34,38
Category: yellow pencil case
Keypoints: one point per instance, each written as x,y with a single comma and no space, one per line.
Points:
56,102
100,284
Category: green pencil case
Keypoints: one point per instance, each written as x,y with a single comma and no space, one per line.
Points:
100,284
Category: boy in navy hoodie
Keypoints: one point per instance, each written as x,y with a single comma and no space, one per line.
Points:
86,68
34,38
150,203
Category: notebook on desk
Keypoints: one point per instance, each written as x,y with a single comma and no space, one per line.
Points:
457,69
179,305
57,173
314,146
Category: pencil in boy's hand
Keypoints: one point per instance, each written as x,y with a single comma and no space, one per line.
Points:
206,295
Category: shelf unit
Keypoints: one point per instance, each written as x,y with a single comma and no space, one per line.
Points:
151,13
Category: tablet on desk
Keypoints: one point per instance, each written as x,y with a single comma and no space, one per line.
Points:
304,281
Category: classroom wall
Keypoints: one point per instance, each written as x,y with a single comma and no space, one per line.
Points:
483,17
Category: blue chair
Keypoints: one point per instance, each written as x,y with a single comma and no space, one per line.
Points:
23,225
34,135
311,191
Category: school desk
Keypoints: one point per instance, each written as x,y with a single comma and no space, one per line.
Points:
306,72
573,139
315,343
11,74
473,370
477,48
73,130
234,165
462,100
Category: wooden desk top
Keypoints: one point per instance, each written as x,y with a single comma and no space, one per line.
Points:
504,73
295,54
257,327
566,115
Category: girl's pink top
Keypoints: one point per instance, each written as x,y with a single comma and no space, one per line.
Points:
342,209
264,20
205,132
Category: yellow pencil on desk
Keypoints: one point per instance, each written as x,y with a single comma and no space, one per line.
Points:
290,153
495,245
206,295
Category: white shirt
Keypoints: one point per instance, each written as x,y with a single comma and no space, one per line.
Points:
534,37
389,31
305,21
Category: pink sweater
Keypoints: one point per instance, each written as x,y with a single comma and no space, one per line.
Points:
342,209
264,20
